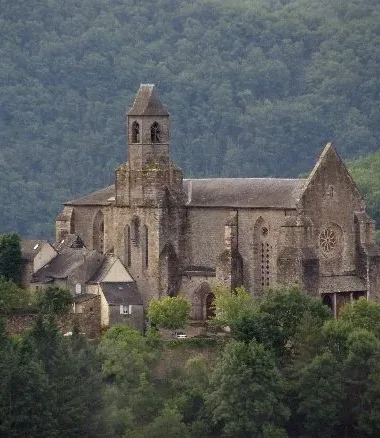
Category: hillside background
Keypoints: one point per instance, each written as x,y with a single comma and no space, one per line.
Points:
254,88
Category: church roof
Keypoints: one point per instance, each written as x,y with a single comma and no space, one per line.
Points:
147,103
243,192
223,192
104,196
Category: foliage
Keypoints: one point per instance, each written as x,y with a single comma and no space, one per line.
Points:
169,312
255,89
246,392
54,300
10,257
12,297
45,386
167,424
231,306
273,319
365,171
201,342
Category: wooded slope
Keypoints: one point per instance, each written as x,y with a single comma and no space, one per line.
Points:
253,88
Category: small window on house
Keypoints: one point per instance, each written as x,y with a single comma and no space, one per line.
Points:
135,132
78,289
124,310
155,133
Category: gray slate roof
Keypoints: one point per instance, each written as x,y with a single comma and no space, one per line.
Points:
100,197
147,103
82,298
244,192
69,241
223,192
30,248
68,263
121,293
341,283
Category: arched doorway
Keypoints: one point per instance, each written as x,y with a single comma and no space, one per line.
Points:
202,307
328,301
210,308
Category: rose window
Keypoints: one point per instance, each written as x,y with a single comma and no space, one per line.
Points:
328,240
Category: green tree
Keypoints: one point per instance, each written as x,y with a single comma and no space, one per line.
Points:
246,396
167,424
54,300
10,257
231,306
169,312
12,297
321,395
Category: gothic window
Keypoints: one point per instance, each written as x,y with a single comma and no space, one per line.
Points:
135,132
127,245
98,232
135,232
327,240
263,255
265,261
330,191
146,248
155,133
330,240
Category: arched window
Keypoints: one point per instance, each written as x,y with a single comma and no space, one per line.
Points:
146,248
127,246
263,252
135,132
98,232
155,133
135,235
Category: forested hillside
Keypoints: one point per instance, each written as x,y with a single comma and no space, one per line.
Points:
254,89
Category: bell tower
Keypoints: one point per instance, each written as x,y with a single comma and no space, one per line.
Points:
148,130
148,175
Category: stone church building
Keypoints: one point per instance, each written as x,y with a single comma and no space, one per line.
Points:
185,235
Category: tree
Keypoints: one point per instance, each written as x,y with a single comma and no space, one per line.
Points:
364,314
12,297
169,312
232,306
55,300
167,424
10,257
246,393
321,395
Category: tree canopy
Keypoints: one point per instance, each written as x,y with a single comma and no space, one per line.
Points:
254,89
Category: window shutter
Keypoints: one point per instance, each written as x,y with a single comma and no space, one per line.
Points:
130,309
121,309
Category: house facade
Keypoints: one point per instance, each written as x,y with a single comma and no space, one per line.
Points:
186,235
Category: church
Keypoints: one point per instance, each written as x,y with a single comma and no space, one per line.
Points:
177,235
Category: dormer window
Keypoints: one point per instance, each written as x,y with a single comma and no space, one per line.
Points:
155,133
135,132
